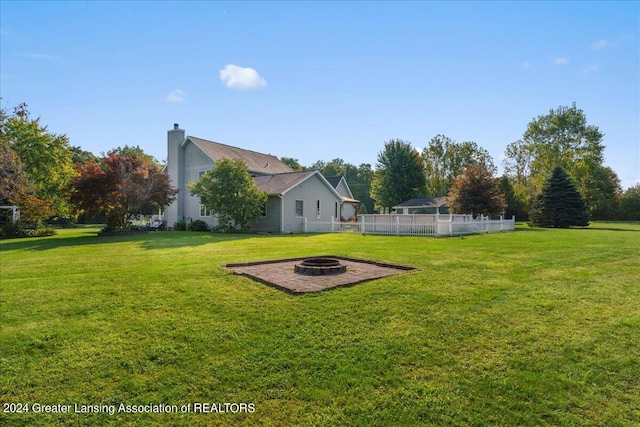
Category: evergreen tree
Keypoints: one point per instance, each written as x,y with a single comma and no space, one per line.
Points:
559,205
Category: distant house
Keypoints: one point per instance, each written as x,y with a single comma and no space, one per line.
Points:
293,197
435,205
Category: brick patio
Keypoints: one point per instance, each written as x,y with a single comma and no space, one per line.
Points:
280,273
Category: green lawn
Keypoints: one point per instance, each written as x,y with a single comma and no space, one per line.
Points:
533,327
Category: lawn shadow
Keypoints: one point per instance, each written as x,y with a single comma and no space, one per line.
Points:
149,241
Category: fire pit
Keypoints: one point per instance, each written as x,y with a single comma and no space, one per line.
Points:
320,266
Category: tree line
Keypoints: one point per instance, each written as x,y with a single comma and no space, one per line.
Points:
51,180
561,138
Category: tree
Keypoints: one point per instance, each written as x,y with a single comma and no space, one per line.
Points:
15,189
559,204
123,187
134,152
292,163
46,158
361,187
228,190
605,191
358,178
399,175
515,206
630,204
82,156
444,160
476,192
561,138
13,180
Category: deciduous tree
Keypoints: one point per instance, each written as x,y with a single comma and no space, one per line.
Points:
445,159
476,192
292,163
228,190
46,158
630,204
123,187
399,175
561,138
13,180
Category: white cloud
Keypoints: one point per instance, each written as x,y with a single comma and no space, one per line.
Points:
601,44
245,78
561,61
590,68
177,95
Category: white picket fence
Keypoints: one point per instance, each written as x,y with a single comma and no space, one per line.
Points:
413,225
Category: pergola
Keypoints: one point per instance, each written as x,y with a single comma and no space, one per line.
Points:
15,213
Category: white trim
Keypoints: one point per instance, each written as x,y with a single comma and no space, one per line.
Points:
296,209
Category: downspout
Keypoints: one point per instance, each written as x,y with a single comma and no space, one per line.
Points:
281,213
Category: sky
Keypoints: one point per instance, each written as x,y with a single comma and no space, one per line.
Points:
323,80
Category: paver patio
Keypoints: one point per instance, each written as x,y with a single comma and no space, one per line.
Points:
280,273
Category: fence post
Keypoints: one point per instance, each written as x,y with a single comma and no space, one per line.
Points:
397,225
450,224
304,222
362,229
332,224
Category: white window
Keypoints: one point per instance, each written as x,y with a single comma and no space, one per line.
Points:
318,209
264,210
299,208
335,215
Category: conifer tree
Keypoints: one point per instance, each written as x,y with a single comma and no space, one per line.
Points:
559,205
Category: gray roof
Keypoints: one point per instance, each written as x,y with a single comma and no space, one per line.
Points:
280,183
334,181
257,163
428,202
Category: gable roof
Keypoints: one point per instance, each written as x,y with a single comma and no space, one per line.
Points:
280,184
257,163
334,181
428,202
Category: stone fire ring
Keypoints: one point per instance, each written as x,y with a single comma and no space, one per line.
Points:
283,273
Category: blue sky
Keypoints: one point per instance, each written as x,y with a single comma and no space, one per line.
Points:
317,81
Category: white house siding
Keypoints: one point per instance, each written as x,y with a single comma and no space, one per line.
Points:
195,161
348,210
309,191
343,190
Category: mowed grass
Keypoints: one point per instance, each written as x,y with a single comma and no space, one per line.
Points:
533,327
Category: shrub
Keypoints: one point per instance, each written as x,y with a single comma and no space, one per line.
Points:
180,225
198,225
27,230
224,228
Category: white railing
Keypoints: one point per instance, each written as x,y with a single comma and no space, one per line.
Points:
413,225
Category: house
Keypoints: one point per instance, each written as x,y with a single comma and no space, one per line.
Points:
293,197
349,208
435,205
